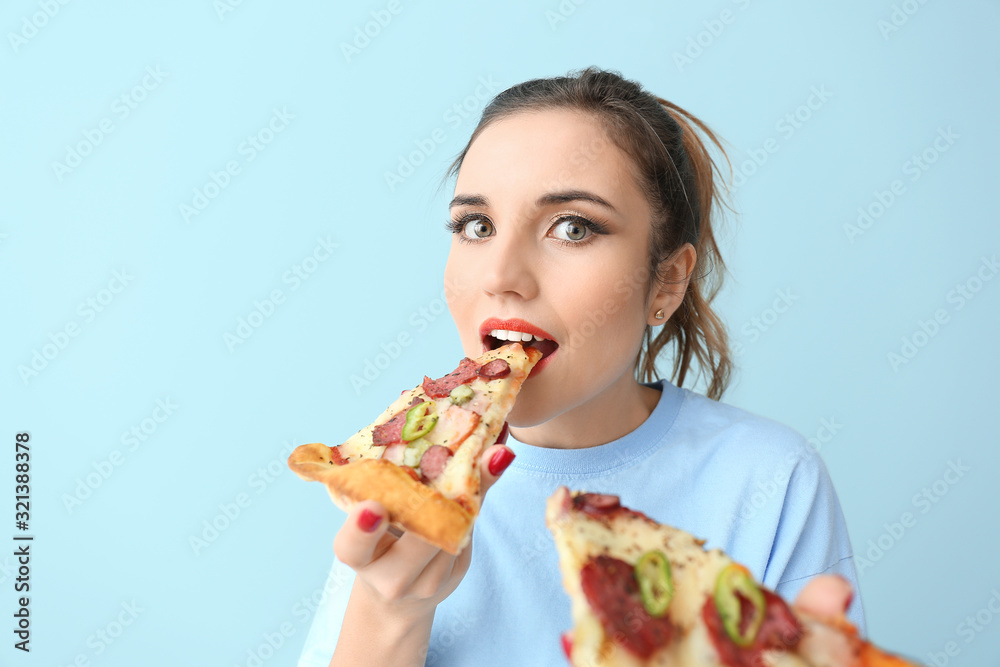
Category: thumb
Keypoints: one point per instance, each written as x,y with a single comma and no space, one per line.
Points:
494,461
825,596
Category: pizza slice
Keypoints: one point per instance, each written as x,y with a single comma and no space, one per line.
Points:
643,593
420,457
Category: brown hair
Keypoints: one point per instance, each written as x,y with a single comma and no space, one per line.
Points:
675,172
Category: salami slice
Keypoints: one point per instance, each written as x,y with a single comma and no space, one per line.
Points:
613,594
492,370
433,462
467,371
391,431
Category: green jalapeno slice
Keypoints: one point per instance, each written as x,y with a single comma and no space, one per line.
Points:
740,604
420,419
656,585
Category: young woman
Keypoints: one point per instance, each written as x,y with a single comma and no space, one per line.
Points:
582,215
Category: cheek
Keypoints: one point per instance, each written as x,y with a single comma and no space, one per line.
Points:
605,312
458,287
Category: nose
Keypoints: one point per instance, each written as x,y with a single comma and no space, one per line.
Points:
508,267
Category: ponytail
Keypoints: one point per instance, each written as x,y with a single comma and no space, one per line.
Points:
695,329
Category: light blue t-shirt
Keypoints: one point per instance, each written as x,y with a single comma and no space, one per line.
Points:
744,483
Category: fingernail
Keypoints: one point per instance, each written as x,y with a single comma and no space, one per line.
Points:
368,521
500,460
502,438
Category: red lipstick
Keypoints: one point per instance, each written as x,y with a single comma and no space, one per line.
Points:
513,324
549,346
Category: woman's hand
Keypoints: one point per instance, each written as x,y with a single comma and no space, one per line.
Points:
400,580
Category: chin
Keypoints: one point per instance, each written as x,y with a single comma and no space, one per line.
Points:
528,412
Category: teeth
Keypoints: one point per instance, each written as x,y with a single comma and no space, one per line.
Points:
504,334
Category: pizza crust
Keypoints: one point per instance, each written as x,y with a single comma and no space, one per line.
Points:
412,505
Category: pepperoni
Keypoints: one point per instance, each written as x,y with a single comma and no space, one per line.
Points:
336,457
466,372
433,462
494,370
596,503
779,630
391,431
603,506
611,590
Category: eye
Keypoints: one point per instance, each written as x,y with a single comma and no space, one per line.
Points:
478,228
571,229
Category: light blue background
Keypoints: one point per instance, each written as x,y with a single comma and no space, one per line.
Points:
239,411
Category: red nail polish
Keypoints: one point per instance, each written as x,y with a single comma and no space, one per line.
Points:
500,461
502,438
368,521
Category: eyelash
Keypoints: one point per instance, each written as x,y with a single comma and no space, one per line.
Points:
596,227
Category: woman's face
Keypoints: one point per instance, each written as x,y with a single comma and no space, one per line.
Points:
551,230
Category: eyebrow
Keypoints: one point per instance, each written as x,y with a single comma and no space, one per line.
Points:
545,200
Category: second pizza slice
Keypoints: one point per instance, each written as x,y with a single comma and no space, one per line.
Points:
644,593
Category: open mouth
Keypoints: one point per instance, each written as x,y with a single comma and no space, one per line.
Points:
496,332
498,337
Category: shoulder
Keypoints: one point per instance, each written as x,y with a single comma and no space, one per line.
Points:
729,432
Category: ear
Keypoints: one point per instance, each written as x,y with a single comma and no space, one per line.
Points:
676,270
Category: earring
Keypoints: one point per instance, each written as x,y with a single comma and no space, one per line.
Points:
658,314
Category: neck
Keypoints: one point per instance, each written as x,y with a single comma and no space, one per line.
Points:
607,416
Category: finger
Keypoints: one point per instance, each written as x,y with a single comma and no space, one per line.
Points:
825,596
430,581
494,461
400,566
358,540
